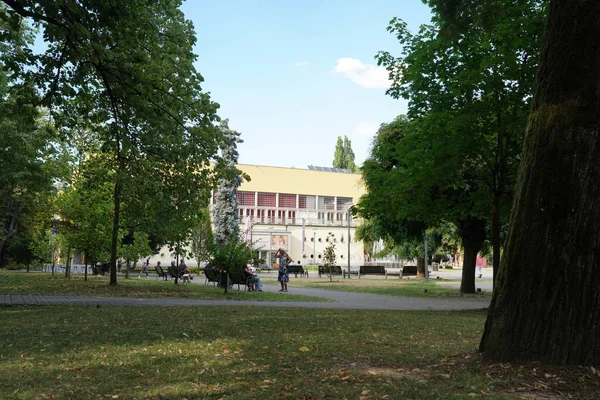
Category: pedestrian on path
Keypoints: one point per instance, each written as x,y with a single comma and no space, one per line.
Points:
283,276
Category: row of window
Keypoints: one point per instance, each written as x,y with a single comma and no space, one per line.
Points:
286,200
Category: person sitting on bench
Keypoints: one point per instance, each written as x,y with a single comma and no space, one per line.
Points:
254,280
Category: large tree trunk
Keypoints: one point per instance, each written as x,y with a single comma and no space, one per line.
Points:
472,233
546,305
116,218
496,225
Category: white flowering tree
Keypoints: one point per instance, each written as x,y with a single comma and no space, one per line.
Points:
225,211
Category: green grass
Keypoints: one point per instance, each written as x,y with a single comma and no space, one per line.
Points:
391,286
57,352
45,283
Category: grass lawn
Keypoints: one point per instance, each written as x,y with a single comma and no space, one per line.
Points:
392,286
57,352
12,282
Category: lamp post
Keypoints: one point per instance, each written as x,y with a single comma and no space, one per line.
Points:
349,220
314,246
426,260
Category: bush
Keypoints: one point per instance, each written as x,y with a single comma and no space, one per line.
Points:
449,267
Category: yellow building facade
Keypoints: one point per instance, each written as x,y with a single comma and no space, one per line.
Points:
297,209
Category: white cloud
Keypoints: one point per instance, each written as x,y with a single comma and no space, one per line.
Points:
369,76
366,128
302,64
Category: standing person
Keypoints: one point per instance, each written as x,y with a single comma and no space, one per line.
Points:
283,276
479,263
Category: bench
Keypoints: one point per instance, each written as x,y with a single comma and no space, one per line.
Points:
336,270
371,270
211,276
160,273
238,277
178,275
297,269
409,270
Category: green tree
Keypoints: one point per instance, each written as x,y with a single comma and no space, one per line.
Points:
137,248
128,70
343,156
339,160
546,305
231,255
349,155
469,96
202,239
329,257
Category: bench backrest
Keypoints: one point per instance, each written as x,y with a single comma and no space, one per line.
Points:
211,274
173,271
409,270
295,269
238,277
372,269
336,270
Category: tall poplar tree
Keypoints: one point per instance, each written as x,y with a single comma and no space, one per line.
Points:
343,156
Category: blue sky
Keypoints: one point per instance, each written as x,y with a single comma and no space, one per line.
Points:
292,76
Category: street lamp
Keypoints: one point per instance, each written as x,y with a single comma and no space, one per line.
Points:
314,246
349,220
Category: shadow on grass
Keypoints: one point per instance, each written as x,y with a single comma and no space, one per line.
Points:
246,353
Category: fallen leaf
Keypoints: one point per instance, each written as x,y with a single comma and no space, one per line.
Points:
304,348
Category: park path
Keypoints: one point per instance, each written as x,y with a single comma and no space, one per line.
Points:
339,300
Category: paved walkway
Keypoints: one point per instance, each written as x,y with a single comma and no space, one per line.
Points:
340,300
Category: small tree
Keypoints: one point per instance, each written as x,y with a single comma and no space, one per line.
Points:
329,257
133,251
233,254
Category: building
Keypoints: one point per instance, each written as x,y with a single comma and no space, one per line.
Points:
297,208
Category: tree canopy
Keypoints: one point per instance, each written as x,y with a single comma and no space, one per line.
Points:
344,155
126,72
469,94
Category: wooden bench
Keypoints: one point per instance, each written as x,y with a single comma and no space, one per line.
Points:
297,269
336,269
371,270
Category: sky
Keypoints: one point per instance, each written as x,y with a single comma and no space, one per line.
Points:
292,76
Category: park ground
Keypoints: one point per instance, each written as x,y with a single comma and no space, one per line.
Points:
240,351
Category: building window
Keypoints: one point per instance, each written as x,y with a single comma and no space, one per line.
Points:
326,203
287,200
307,202
245,198
267,199
343,203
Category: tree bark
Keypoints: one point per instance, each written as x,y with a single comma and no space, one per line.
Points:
420,268
496,225
546,304
116,217
472,233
